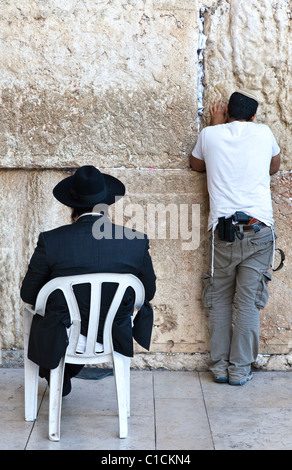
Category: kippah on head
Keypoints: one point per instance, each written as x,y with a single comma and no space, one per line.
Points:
242,105
248,94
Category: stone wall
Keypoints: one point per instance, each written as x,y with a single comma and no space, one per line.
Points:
115,84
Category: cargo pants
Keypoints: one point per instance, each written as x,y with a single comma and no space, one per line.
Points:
234,293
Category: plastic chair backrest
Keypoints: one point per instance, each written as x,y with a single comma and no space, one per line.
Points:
66,284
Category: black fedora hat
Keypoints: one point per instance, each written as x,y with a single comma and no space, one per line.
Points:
88,187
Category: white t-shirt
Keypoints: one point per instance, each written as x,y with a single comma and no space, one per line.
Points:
237,156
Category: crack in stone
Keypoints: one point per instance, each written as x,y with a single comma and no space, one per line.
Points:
200,52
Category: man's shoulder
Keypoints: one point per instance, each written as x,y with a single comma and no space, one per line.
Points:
260,130
264,127
56,230
129,233
213,134
103,228
57,233
218,129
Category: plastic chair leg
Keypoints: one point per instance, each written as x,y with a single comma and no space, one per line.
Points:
31,375
127,361
55,401
31,372
119,372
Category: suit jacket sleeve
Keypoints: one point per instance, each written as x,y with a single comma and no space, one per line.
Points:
147,276
143,321
38,273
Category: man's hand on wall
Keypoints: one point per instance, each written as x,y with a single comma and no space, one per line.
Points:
218,113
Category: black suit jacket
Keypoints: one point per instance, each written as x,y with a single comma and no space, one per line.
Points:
70,250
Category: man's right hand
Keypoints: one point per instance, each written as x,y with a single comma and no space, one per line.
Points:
218,113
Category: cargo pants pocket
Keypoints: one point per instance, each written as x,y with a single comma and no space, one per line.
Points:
207,290
262,295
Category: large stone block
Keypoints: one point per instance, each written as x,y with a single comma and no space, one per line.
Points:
113,82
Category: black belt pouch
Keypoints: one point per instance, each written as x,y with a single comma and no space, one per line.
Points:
226,229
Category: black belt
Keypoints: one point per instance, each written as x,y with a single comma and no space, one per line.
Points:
256,227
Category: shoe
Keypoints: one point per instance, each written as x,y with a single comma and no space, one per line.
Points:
220,380
243,382
66,388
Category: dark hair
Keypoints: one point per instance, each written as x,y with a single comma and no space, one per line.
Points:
76,212
242,107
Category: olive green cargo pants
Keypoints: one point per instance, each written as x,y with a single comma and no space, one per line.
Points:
234,295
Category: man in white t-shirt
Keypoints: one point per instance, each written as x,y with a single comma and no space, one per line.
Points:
239,156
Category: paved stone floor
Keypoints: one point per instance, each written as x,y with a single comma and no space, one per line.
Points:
169,411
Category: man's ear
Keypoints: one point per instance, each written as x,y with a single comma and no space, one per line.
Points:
253,118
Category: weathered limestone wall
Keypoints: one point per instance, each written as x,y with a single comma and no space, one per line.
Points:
114,84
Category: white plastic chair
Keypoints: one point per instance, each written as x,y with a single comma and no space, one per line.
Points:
121,364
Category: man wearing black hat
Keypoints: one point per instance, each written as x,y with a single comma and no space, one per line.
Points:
239,156
74,249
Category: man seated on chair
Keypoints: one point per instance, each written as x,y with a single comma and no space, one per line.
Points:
88,245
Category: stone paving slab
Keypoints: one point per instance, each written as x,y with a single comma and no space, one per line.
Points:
170,411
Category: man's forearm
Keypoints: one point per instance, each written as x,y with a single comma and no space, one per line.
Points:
197,164
275,164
